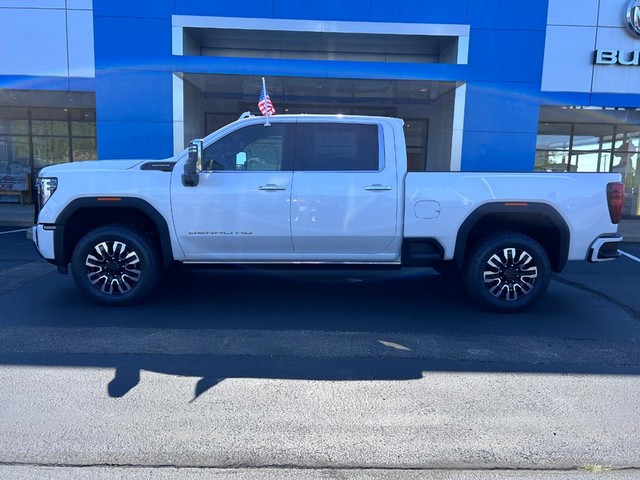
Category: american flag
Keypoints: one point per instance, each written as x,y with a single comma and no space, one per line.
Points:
264,104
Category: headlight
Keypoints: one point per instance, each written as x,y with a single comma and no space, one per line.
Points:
46,186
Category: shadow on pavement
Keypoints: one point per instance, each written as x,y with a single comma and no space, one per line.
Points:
345,327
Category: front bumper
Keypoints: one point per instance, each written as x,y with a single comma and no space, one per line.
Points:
42,236
605,248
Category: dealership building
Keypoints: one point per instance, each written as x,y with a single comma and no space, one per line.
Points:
481,85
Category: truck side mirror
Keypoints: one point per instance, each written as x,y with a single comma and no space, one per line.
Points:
190,176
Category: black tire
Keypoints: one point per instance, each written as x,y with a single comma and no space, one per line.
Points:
507,272
116,265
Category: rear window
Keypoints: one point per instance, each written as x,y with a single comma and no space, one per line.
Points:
337,147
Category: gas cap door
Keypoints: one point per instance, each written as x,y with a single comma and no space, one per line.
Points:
426,209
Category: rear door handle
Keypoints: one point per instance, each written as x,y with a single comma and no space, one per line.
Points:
270,187
376,187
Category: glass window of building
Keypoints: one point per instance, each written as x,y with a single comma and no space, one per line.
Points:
32,138
40,128
590,139
14,140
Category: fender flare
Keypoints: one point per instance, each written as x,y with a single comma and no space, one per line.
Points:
511,208
106,203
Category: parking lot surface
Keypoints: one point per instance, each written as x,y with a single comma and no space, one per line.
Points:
358,372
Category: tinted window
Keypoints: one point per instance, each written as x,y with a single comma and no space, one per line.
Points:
251,148
338,147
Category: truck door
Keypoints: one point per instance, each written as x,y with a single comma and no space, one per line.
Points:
344,201
240,208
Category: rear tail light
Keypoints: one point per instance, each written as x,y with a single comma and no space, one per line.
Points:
615,199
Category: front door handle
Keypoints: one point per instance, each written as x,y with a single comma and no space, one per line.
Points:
270,187
376,187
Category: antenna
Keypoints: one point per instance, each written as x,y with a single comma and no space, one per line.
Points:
246,114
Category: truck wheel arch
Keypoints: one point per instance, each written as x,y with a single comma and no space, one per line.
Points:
540,221
84,214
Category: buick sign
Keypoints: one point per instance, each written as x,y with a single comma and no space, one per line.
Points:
633,17
623,57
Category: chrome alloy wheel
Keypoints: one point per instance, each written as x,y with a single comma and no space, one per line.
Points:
113,267
510,274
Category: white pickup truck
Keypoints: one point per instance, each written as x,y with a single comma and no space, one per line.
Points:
316,190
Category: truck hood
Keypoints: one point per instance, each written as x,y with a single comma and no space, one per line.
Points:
91,166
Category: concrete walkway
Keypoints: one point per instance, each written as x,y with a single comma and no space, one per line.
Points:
15,215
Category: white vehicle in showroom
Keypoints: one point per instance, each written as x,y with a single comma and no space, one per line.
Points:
319,190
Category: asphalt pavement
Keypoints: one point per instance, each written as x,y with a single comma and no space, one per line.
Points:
244,374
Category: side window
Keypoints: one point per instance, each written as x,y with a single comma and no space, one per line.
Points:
338,147
255,147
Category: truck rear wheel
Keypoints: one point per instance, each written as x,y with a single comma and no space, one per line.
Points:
507,272
116,265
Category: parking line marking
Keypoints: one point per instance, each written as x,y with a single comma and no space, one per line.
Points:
628,255
14,231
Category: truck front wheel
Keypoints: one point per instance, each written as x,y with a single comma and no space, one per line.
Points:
507,272
116,265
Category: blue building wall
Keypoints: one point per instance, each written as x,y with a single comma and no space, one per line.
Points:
506,54
133,78
134,68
